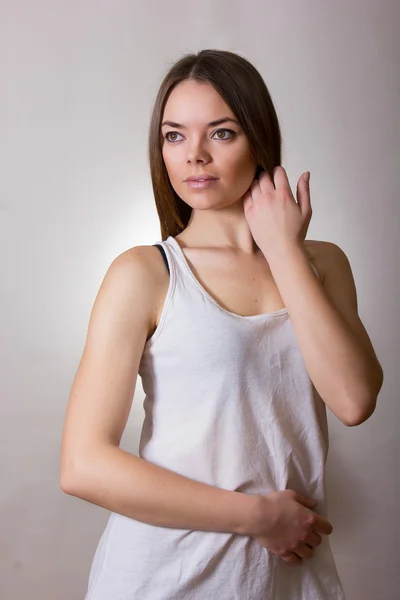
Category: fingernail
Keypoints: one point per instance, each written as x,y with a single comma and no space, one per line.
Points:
307,176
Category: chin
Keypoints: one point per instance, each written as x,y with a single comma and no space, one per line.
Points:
204,202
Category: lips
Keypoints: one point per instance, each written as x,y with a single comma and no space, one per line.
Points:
201,178
205,184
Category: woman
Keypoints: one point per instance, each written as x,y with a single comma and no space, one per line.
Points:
242,332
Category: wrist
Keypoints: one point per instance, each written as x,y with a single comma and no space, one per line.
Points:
246,513
284,249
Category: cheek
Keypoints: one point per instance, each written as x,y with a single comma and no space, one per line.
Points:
243,167
165,157
243,159
168,164
171,159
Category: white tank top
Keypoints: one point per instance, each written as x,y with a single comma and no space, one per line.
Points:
228,402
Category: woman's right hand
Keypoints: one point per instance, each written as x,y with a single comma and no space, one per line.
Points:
285,524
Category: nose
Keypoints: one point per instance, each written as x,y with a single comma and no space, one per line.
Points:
197,152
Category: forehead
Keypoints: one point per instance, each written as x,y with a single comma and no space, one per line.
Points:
192,102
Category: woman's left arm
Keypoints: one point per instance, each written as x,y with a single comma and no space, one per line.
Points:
336,348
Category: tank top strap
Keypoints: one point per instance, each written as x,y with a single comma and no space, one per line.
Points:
161,249
181,281
176,263
173,260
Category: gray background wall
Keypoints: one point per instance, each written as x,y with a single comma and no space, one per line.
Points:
77,85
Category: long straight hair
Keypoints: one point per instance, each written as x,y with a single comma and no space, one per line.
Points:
243,89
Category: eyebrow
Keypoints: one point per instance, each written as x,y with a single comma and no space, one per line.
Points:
212,124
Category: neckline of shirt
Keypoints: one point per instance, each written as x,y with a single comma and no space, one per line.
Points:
276,313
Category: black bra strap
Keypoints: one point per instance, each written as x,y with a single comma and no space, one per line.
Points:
161,249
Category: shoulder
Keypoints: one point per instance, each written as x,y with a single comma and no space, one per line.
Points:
143,261
141,270
328,258
142,266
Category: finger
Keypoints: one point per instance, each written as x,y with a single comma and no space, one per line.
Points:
308,502
303,551
291,557
303,195
247,200
313,539
280,178
322,525
266,183
255,190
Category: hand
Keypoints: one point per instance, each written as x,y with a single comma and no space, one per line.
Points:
285,525
274,217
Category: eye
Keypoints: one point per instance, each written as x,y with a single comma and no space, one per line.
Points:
171,133
218,131
228,130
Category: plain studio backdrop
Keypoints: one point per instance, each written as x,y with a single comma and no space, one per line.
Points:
78,83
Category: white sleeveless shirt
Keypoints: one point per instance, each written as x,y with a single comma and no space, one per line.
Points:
228,402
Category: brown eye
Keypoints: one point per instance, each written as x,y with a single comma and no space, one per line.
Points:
171,133
223,131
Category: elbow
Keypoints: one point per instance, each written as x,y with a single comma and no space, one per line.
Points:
365,407
358,417
67,484
82,468
69,470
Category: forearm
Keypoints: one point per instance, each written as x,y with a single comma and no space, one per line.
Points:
341,369
133,487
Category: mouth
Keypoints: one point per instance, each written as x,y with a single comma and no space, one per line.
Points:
201,183
201,178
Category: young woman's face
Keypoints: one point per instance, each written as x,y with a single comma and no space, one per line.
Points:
198,148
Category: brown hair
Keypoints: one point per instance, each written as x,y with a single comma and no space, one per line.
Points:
243,89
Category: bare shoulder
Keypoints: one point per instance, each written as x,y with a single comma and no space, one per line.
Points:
147,256
320,252
331,263
145,261
144,269
314,246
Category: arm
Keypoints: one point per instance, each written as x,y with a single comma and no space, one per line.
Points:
334,343
93,467
133,487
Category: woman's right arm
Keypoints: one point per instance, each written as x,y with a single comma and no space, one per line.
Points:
93,466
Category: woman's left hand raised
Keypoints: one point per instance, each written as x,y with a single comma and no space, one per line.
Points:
275,219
